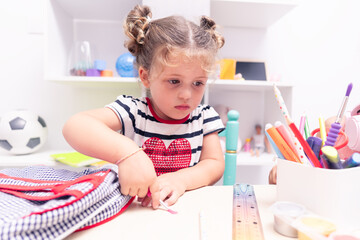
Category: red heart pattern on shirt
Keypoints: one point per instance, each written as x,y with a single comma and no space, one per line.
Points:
171,159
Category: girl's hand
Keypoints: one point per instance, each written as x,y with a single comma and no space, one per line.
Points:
136,175
169,188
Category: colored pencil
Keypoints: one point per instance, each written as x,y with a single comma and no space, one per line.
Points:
307,128
302,124
322,129
312,158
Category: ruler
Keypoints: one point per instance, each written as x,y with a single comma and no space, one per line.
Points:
246,218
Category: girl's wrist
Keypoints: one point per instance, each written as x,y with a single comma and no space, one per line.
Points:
128,156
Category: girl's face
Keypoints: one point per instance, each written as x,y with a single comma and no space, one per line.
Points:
175,90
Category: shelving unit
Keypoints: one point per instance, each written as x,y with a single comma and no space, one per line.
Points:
249,13
247,85
100,23
103,82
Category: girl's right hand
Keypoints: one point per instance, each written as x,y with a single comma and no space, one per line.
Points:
136,175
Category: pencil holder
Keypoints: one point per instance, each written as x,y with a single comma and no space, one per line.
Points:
330,193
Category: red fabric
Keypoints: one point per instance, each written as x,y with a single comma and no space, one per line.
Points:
108,219
171,159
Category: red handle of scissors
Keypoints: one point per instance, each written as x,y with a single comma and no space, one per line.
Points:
340,145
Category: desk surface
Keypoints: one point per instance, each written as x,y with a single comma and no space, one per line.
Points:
215,202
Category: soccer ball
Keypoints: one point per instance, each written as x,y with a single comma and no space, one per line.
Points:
22,132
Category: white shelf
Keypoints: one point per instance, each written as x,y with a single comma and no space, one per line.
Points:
131,82
249,13
101,10
123,83
245,158
246,85
83,79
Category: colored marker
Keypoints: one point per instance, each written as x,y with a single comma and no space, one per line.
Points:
332,156
315,144
286,136
282,145
336,126
324,161
273,145
353,161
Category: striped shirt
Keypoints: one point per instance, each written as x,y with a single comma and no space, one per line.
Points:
171,145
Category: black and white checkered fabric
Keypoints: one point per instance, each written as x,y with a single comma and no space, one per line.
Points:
44,203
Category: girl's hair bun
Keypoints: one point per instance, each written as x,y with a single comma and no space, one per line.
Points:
208,24
136,27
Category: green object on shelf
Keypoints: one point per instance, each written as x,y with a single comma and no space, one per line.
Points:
75,159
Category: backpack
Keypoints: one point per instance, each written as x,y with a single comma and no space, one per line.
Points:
40,202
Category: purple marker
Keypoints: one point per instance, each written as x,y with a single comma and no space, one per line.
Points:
335,127
315,145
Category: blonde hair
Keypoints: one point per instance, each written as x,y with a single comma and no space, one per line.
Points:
157,41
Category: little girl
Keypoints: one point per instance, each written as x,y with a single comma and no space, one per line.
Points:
168,143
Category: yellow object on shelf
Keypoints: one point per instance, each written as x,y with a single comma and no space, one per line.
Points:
227,68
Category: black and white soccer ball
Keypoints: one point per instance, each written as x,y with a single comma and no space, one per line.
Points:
22,132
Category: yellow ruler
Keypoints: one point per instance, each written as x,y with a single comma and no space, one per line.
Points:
246,218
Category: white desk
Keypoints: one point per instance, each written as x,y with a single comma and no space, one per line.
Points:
137,222
215,202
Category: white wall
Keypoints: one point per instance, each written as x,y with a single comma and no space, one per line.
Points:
316,46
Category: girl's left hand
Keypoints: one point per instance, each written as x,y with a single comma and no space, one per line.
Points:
170,187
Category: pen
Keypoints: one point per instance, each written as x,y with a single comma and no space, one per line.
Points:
314,161
203,226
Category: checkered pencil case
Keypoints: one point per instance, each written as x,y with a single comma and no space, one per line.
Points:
45,203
